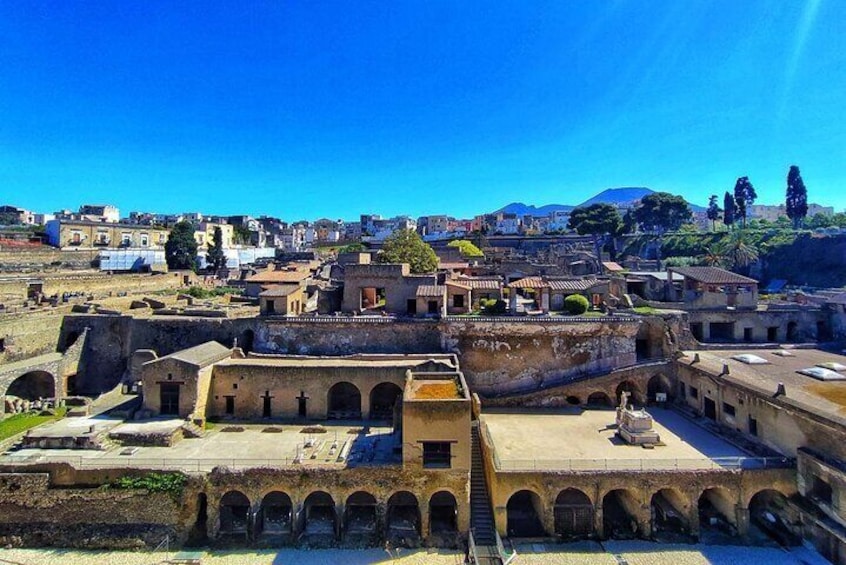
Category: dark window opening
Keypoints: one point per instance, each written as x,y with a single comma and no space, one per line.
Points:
271,307
710,409
753,426
433,307
458,301
411,306
728,409
437,455
682,390
696,330
642,349
772,333
694,392
265,411
747,334
2,344
821,491
230,405
722,331
169,399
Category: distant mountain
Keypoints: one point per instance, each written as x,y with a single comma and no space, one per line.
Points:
616,196
624,195
529,210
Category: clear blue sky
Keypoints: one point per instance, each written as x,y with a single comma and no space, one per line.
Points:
308,109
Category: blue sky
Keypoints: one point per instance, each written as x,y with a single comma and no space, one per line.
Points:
307,109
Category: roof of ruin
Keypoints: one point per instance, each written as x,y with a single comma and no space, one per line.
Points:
712,275
430,291
279,277
481,283
299,361
572,284
280,290
201,355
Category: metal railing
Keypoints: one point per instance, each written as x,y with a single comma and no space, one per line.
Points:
506,557
677,464
186,465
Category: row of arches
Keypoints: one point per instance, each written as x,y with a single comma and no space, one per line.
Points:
624,515
276,515
343,401
600,399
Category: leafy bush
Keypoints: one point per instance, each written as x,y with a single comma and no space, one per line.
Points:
204,293
170,483
492,306
576,304
466,248
682,262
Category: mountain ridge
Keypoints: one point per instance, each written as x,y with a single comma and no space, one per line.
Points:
616,195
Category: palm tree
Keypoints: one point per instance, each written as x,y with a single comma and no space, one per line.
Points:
714,257
739,253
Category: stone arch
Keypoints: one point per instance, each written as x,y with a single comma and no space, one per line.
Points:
33,385
769,511
620,514
276,514
402,520
717,512
247,341
573,400
524,513
599,399
319,517
343,401
573,514
360,514
383,400
635,395
669,511
443,513
659,383
234,514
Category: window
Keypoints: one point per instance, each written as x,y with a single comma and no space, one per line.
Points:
437,455
458,301
126,238
728,409
694,392
144,240
821,491
753,426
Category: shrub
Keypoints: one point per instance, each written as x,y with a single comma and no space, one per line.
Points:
576,304
170,483
492,306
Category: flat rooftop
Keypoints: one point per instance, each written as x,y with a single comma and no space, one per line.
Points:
572,439
823,398
237,446
433,389
389,361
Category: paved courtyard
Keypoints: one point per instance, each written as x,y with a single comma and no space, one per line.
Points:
572,438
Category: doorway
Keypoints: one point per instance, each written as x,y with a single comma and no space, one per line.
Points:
710,409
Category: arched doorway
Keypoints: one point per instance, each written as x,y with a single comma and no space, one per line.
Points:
658,384
524,511
247,341
344,402
403,517
635,396
235,514
619,515
771,516
33,385
573,514
669,513
599,400
717,516
443,513
383,399
360,514
319,515
276,514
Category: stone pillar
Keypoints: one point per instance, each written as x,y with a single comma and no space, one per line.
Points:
644,521
742,515
365,406
424,519
693,518
501,520
544,300
462,518
339,519
512,300
598,526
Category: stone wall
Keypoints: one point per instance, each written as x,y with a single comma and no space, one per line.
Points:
28,334
35,513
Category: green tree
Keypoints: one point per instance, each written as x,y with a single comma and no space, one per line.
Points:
821,221
406,246
739,252
797,197
181,247
356,247
713,257
728,209
216,258
466,248
714,211
744,197
241,235
661,212
599,220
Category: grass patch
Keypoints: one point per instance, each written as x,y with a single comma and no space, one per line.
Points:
170,483
646,310
18,423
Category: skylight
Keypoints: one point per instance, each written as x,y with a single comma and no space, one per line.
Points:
750,359
831,365
822,374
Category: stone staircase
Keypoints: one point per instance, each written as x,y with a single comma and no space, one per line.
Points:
192,430
481,515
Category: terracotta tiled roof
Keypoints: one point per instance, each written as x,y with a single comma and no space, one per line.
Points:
458,284
280,290
453,266
528,282
571,284
430,291
612,266
712,275
481,283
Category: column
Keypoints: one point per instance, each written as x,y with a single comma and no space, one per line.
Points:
544,300
742,515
